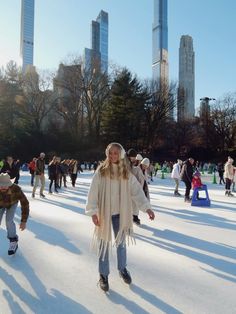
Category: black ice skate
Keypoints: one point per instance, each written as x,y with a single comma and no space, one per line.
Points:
126,276
136,220
103,282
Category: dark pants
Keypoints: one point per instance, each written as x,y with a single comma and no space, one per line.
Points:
32,178
187,189
221,175
55,184
73,178
227,184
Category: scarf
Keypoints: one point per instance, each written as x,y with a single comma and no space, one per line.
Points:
102,238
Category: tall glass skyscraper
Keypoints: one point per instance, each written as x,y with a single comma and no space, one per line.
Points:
160,70
99,42
186,91
102,20
27,33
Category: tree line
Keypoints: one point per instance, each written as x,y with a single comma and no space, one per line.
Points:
78,110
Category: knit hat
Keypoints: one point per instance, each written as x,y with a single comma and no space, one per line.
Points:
197,173
145,162
5,180
131,152
139,157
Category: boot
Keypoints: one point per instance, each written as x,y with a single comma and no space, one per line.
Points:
187,200
126,276
103,282
136,220
13,246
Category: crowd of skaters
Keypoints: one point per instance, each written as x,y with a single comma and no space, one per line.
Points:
58,172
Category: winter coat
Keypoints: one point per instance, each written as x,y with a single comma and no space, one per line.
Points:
40,166
229,171
12,170
175,174
196,182
32,167
52,171
186,174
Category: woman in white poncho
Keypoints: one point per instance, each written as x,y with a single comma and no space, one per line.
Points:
109,202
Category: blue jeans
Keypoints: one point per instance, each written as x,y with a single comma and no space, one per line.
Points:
10,225
121,251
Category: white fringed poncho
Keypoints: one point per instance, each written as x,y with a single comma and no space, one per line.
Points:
99,202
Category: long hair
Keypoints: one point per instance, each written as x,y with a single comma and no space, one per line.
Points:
106,168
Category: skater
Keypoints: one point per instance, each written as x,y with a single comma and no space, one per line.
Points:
109,202
52,174
39,175
229,175
220,169
196,181
137,172
32,167
175,174
144,165
11,168
10,194
186,176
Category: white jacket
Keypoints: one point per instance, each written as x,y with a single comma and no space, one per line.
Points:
229,171
175,174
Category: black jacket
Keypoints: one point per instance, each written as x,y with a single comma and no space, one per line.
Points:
186,174
13,171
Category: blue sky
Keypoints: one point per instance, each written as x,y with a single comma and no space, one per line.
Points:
62,27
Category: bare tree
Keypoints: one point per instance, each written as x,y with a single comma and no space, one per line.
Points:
159,109
82,90
223,116
37,99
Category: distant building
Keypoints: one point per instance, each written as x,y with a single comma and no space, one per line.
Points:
31,79
99,43
186,90
27,33
160,68
205,108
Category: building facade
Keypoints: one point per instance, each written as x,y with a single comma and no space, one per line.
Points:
27,33
99,43
160,68
186,90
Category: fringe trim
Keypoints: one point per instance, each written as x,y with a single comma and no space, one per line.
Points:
100,246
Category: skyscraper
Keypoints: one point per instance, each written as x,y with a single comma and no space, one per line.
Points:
27,33
186,107
160,43
99,42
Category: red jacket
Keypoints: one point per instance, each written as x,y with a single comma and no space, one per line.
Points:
196,182
32,166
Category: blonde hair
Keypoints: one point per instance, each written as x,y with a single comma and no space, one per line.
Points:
123,164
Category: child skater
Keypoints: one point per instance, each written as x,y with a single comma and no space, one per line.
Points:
109,202
196,181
